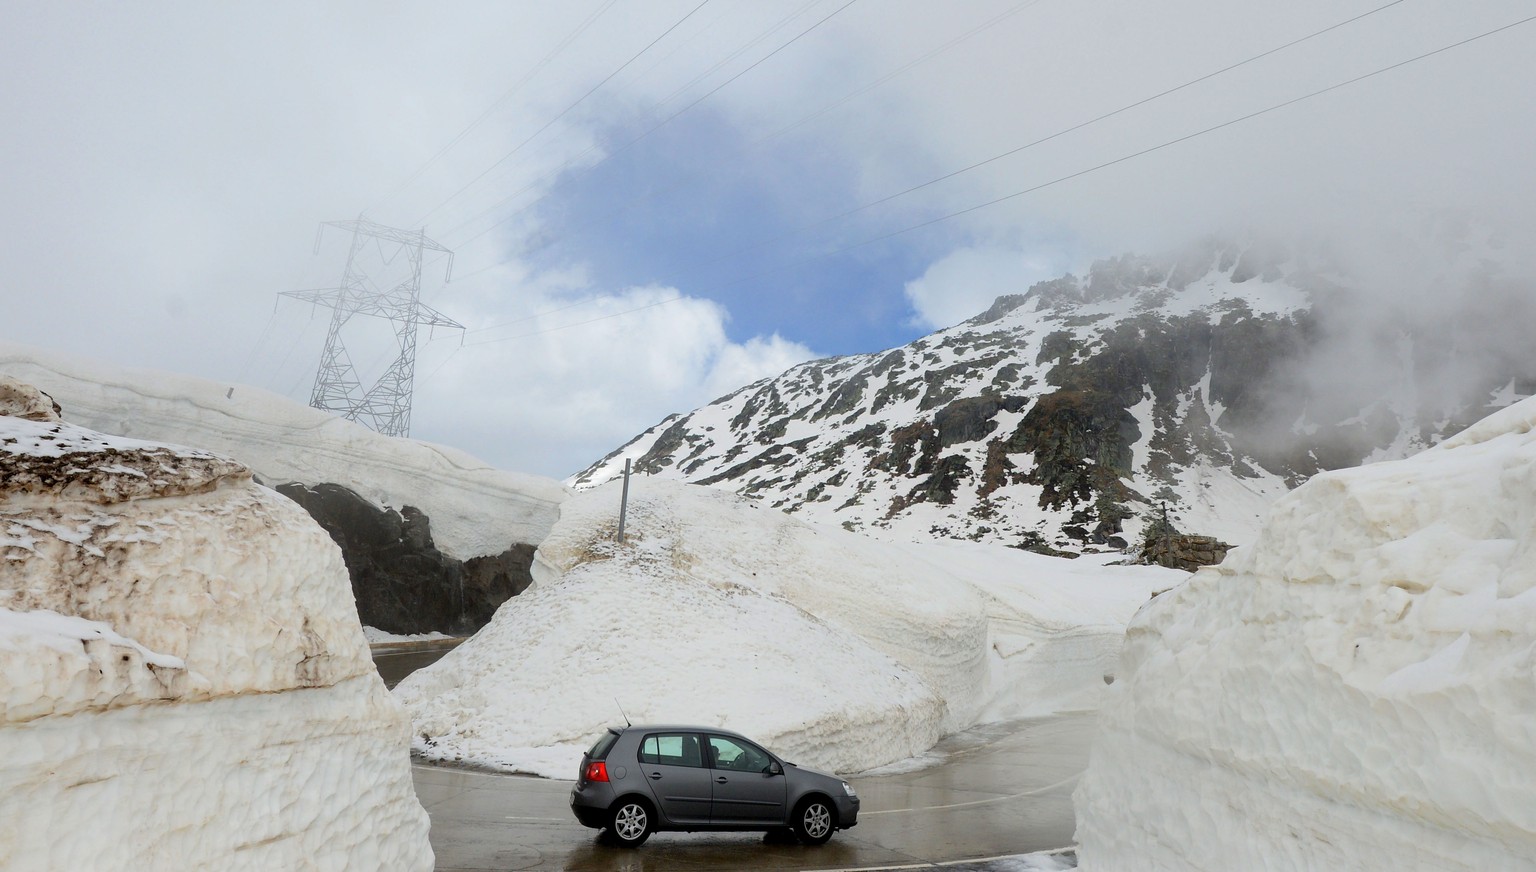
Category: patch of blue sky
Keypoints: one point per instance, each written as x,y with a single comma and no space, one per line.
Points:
690,207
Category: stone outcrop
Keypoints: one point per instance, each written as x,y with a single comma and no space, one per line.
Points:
1184,551
402,582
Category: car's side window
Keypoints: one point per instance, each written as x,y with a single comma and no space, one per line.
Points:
671,749
737,756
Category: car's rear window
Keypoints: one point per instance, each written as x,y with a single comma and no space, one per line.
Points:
600,748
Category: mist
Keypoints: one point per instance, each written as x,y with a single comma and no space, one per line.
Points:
166,167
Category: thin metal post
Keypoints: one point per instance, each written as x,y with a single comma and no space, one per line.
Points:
624,501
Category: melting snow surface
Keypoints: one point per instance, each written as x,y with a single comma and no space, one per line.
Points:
836,650
1353,691
183,680
474,508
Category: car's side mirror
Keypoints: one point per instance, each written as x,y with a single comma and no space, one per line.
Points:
774,768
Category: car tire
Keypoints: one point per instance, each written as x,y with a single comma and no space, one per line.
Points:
631,822
814,821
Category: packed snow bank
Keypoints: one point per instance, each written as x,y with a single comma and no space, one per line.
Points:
1354,691
183,679
836,650
475,509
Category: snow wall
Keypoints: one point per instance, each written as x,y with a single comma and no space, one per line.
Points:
836,650
475,508
183,680
1356,690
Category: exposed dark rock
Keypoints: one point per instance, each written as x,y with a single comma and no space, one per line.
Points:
491,580
1000,307
971,419
1184,551
905,442
945,385
939,487
660,456
402,583
1163,545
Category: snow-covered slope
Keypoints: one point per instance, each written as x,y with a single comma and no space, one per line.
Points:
1356,690
183,680
475,509
1060,418
837,650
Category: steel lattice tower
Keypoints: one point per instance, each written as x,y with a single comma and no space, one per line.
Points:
386,405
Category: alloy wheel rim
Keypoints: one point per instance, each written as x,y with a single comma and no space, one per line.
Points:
817,821
630,822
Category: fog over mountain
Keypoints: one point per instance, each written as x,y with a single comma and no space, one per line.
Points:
1204,382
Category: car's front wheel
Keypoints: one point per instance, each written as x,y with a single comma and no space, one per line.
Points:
630,824
813,821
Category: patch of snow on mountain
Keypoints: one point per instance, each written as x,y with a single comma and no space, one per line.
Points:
1353,691
474,508
839,651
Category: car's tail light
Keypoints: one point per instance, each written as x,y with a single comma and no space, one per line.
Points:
597,770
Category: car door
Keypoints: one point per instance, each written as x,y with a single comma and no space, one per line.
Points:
673,765
745,791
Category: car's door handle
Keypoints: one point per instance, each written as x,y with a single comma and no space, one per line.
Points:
655,776
720,780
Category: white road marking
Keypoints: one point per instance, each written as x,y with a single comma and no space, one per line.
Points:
972,802
940,864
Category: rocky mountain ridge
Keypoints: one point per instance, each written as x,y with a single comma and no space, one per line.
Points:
1058,418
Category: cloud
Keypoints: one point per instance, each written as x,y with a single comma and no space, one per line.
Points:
757,358
167,167
556,397
964,282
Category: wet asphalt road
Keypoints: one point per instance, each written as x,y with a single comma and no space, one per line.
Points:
397,661
1000,790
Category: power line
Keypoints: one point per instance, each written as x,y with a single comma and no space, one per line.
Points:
563,112
803,120
1080,173
505,96
573,161
653,128
1092,121
1079,126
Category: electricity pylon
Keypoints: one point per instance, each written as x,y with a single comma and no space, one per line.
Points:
386,405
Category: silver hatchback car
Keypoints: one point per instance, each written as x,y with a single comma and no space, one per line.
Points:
637,780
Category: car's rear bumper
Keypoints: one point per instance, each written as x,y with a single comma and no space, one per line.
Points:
590,804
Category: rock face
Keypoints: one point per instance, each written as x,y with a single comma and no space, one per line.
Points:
376,495
183,679
1353,691
1053,420
1184,551
402,582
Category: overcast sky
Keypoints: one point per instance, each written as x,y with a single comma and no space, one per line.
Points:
653,202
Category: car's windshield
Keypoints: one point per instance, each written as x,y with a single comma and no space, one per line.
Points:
737,755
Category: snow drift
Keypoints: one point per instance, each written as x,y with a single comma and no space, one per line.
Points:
183,679
839,651
1354,691
475,509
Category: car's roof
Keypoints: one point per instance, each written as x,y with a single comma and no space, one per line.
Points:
679,728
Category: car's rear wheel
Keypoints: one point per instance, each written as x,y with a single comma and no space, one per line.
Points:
630,823
813,821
